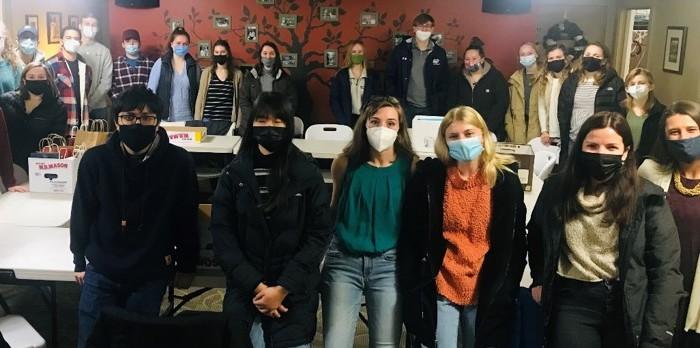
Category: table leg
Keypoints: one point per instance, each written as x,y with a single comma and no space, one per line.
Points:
54,315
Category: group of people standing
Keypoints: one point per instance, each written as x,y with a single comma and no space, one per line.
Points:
437,246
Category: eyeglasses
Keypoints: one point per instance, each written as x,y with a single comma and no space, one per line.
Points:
129,118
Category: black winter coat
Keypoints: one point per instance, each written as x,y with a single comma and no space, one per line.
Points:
650,131
436,75
25,130
489,97
341,97
251,88
422,247
283,247
609,97
648,263
157,198
165,81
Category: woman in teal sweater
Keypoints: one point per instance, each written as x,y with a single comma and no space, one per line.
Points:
368,188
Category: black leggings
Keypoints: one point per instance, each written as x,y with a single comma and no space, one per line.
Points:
588,315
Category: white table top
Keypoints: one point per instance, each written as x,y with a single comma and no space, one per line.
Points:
214,144
35,209
321,149
36,253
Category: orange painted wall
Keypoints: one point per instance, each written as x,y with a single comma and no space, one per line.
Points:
458,20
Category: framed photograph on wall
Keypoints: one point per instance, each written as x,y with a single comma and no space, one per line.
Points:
203,49
329,14
288,20
251,33
221,22
289,60
54,23
369,19
265,2
32,20
176,22
330,58
674,52
74,21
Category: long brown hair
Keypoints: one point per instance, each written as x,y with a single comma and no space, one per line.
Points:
660,152
651,99
8,53
24,93
358,151
621,190
545,71
606,65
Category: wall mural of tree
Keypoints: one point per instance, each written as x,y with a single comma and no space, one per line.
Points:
308,40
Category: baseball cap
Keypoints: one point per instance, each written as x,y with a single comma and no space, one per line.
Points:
27,29
131,34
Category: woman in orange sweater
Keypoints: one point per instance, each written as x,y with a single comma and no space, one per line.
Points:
461,259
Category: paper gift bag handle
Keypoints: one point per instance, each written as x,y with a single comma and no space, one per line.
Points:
99,125
47,143
78,151
57,139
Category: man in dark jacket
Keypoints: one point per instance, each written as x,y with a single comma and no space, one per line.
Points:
417,73
134,215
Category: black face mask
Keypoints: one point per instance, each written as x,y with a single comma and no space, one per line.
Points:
592,64
221,60
137,136
601,167
272,139
38,87
556,65
686,150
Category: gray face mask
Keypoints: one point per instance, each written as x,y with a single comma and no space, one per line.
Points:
267,62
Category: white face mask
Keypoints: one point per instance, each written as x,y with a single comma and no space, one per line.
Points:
71,45
89,32
638,91
381,138
423,35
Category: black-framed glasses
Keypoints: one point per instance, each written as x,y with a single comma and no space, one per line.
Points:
129,118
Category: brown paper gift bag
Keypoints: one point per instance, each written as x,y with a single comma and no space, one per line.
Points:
91,134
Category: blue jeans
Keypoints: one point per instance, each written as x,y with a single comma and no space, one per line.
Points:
345,279
99,291
455,320
258,338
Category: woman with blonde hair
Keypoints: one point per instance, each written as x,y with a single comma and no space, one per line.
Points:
10,66
643,111
369,178
462,243
353,85
523,87
555,71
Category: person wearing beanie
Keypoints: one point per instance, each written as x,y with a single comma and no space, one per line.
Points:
28,50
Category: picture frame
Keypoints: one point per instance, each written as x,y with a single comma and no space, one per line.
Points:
674,49
221,22
329,14
176,22
330,58
203,49
289,60
54,24
369,19
251,33
32,20
288,21
265,2
74,21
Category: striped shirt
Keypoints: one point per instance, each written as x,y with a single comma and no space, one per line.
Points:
219,102
262,168
584,106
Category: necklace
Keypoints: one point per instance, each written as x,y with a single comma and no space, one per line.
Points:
693,192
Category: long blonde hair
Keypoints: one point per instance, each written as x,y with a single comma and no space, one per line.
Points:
650,78
490,162
348,54
9,54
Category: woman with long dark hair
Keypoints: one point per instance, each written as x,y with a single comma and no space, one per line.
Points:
271,223
266,76
368,189
675,167
218,99
604,250
175,78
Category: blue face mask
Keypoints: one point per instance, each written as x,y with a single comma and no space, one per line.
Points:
180,50
466,149
528,61
132,49
686,150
